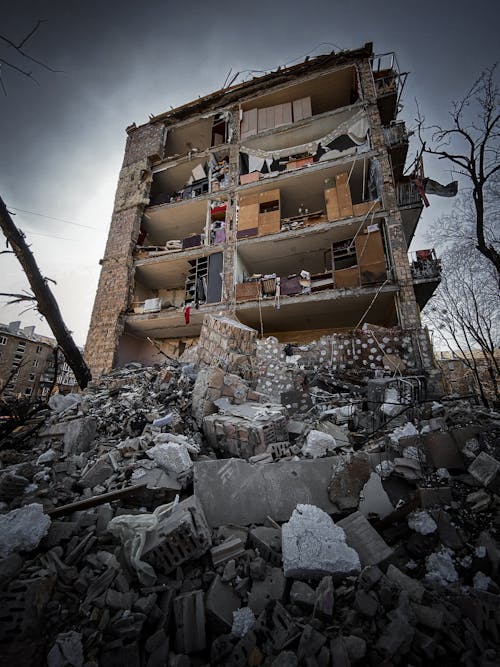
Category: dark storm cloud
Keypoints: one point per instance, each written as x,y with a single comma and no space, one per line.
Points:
62,141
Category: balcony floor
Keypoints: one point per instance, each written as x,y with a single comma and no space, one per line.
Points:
326,310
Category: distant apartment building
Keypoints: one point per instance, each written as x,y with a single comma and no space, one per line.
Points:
470,373
281,201
27,363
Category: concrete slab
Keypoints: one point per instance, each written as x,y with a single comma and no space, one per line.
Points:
235,491
361,536
443,451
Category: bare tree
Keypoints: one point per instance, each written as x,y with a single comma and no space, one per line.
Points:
471,144
464,313
46,303
17,50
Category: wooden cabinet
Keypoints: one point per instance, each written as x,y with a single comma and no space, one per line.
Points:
332,204
338,199
269,212
261,212
344,195
371,258
249,291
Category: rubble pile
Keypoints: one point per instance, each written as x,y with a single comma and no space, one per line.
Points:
286,515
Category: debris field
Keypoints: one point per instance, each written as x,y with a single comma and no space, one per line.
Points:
249,505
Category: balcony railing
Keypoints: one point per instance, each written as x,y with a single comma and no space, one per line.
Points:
408,194
425,265
387,75
396,134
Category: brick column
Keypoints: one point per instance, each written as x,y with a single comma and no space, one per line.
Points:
409,314
116,282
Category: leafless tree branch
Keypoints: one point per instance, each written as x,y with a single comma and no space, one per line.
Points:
475,120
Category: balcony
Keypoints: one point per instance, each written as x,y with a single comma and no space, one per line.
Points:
426,272
410,203
389,84
396,134
396,138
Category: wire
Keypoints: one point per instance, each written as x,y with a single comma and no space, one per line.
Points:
52,236
49,217
264,71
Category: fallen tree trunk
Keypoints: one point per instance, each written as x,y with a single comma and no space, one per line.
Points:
45,300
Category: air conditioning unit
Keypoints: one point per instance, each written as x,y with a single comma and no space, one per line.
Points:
152,305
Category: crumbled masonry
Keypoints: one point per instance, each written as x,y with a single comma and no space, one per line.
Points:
248,542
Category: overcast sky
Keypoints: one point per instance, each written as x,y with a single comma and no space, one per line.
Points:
62,141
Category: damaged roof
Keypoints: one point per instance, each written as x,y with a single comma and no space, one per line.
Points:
280,75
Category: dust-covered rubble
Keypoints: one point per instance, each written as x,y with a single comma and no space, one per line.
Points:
291,513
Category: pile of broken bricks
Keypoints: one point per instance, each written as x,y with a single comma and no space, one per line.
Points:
181,515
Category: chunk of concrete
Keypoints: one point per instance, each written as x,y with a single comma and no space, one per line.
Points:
349,477
485,469
272,588
443,450
221,602
60,402
318,444
268,542
361,536
247,431
225,486
313,546
243,621
172,457
232,547
22,529
189,612
67,650
366,603
96,474
163,540
324,598
79,435
413,587
302,595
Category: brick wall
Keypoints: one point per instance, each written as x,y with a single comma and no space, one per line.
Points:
116,282
409,315
227,344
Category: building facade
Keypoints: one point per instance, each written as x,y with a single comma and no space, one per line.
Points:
280,201
27,364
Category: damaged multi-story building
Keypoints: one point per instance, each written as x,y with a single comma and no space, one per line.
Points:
29,367
280,202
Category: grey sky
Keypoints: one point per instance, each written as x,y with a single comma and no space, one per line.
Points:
62,141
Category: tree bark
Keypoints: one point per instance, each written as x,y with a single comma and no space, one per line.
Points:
46,302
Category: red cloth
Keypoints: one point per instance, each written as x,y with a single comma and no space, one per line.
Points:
187,313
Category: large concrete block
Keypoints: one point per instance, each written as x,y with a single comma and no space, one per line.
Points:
79,435
189,611
313,546
235,491
360,535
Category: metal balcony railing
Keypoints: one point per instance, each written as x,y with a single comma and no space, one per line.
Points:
396,134
408,194
387,75
425,265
